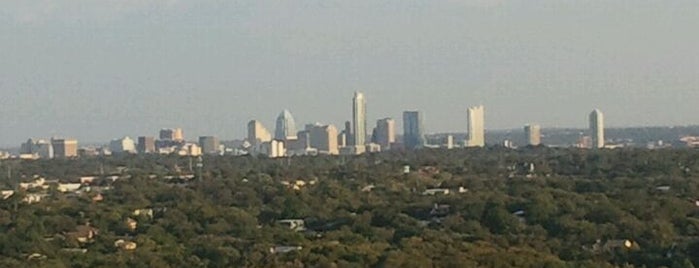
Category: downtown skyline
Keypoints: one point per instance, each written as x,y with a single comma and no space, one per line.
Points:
460,125
321,136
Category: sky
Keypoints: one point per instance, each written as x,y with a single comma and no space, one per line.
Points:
99,70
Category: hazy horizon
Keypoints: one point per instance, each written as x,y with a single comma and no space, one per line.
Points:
99,70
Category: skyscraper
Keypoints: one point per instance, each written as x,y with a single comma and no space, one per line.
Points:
41,148
359,119
476,127
146,145
123,145
532,134
324,139
257,133
385,133
285,126
413,130
597,128
64,148
171,134
348,134
209,145
273,149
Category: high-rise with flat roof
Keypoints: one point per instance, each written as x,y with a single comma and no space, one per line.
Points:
413,130
359,119
532,133
385,133
257,133
476,126
146,145
209,144
324,139
64,148
40,148
172,134
123,145
597,128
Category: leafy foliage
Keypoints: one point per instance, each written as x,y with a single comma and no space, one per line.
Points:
567,211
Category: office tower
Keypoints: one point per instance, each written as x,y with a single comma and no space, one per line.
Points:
189,149
273,149
359,119
449,142
597,128
27,147
167,134
349,138
44,149
172,134
123,145
324,139
146,145
372,137
385,133
303,140
257,133
285,127
476,127
179,135
358,128
532,134
39,148
209,145
64,148
342,139
413,130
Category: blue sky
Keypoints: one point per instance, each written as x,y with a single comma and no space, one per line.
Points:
97,70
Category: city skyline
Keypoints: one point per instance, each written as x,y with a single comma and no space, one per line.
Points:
178,132
112,69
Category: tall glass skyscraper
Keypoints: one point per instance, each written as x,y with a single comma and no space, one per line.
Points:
359,119
413,130
285,127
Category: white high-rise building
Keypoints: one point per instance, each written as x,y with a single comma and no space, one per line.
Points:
533,134
273,149
123,145
285,127
359,119
597,128
476,127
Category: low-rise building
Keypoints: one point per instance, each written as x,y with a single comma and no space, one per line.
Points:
436,191
293,224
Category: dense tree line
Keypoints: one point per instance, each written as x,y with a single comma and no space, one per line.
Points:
533,207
